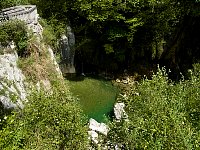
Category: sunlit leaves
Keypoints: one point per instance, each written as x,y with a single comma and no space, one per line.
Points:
164,115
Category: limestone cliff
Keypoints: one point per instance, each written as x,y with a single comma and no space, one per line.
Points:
34,71
12,85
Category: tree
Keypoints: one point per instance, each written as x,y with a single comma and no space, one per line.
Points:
134,29
9,3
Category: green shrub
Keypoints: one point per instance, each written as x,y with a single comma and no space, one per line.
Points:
52,31
9,3
48,121
49,36
165,115
16,31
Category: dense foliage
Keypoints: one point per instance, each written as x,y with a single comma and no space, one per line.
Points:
15,31
126,33
165,115
50,120
9,3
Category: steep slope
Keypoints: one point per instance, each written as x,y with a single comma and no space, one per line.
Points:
30,78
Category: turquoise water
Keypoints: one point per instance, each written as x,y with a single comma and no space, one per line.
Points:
97,96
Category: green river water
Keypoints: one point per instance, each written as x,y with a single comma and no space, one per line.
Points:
97,96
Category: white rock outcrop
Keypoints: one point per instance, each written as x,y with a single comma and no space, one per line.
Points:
119,111
12,87
99,127
93,136
96,128
53,59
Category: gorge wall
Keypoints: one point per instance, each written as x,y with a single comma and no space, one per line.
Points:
67,47
14,86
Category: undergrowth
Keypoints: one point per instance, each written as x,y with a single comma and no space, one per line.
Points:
16,31
37,65
48,121
52,118
165,115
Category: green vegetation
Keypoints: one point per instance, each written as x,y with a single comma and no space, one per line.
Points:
112,35
125,33
15,31
50,35
128,33
165,115
52,118
9,3
48,121
39,61
97,97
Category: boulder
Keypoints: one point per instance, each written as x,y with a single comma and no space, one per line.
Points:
99,127
93,136
119,111
44,84
7,104
125,81
53,59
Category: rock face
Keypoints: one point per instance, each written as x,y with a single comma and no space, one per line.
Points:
12,89
119,111
26,13
53,59
67,46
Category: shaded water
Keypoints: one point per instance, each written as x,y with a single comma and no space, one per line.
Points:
97,97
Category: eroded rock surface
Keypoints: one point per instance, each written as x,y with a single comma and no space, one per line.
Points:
93,136
95,128
12,87
99,127
119,111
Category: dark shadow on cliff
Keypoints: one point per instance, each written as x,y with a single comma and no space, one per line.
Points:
3,112
80,77
74,77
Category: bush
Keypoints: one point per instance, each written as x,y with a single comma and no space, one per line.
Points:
9,3
49,36
165,115
16,31
52,31
48,121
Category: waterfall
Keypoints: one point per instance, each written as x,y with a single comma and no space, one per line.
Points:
67,46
